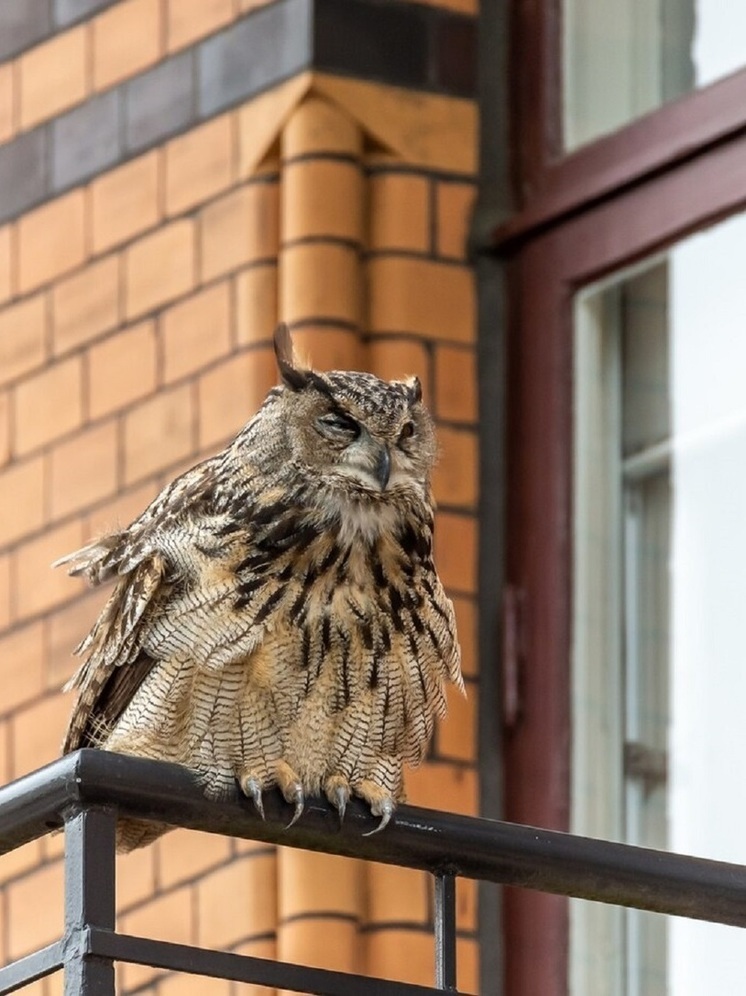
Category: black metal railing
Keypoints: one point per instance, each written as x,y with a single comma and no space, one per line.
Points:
86,791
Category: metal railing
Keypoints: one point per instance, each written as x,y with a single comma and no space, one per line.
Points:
86,791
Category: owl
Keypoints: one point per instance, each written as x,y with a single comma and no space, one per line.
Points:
277,619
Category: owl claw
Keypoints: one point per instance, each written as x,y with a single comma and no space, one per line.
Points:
340,800
252,787
299,805
386,812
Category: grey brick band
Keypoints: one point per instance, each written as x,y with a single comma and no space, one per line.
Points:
398,43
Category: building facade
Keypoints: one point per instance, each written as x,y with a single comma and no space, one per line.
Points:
177,178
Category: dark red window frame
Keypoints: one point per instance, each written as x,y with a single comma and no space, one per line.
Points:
581,216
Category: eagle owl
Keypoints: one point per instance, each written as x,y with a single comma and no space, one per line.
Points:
277,619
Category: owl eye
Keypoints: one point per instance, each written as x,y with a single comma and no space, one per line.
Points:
407,432
338,423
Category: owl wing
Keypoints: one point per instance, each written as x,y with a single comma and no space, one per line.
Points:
115,664
148,560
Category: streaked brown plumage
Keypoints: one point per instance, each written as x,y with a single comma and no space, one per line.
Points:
277,618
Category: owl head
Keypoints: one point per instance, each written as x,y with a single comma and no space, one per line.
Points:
372,437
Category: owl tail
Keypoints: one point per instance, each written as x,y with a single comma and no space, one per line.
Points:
97,561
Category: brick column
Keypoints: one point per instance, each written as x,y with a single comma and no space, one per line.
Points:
322,233
320,897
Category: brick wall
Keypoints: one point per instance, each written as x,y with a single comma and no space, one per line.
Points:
140,280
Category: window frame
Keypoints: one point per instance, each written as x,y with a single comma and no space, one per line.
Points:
582,217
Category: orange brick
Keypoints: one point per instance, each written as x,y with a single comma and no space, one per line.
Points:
403,955
124,202
318,883
65,629
196,331
256,303
322,198
35,910
455,384
122,369
84,469
318,126
456,551
159,267
48,405
397,895
320,281
186,854
38,587
467,962
126,39
38,732
328,348
55,984
466,624
7,255
7,102
4,427
399,212
22,859
260,947
394,359
52,76
195,985
125,507
158,433
86,304
239,228
443,786
135,877
187,20
252,882
22,652
51,240
455,474
167,918
455,202
230,394
467,901
53,846
199,164
412,295
21,499
457,733
5,590
324,942
23,335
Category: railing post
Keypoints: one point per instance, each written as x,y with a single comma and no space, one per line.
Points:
90,836
445,931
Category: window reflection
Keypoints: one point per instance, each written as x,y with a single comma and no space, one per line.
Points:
659,683
623,58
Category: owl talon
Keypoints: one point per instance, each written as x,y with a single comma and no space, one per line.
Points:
252,787
340,800
299,805
386,812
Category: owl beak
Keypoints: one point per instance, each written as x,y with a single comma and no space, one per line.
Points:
382,467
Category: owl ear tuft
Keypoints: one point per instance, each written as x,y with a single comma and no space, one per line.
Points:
293,377
415,390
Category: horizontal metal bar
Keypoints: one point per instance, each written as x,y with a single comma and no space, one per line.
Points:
31,968
31,806
241,968
493,851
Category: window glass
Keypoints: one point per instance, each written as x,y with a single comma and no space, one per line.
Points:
623,58
659,682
